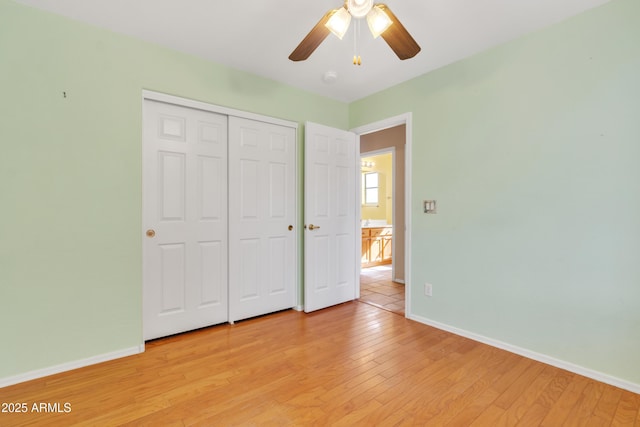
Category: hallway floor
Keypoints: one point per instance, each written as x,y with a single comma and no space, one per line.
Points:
377,289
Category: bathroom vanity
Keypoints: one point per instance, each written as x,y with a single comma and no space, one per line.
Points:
377,242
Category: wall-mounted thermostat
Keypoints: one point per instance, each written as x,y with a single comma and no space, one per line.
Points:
429,206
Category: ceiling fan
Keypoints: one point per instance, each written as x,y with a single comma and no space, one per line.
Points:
382,22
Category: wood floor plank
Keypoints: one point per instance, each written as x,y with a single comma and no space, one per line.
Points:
582,412
520,385
439,396
483,400
446,398
488,417
352,364
608,403
627,411
564,405
462,396
534,415
523,393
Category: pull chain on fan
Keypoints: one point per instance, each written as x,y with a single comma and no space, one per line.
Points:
357,60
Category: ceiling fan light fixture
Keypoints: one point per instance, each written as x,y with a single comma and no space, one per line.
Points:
339,22
359,8
379,17
378,21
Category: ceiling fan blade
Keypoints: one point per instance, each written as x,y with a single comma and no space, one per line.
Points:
398,38
313,39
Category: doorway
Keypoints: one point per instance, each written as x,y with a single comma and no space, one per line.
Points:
382,208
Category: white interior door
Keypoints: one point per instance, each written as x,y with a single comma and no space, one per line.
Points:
184,219
262,214
331,244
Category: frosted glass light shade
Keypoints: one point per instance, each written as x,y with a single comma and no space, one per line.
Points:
378,21
339,22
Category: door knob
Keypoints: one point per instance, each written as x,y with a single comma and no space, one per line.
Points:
313,227
290,227
151,233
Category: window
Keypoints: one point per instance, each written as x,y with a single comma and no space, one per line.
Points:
371,188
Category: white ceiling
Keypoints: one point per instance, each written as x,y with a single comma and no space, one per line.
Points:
258,35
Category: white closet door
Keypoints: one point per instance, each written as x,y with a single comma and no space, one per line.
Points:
262,252
184,219
330,241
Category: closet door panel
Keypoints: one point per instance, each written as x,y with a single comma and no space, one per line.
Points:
184,219
261,211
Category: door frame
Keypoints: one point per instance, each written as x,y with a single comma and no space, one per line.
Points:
205,106
402,119
201,105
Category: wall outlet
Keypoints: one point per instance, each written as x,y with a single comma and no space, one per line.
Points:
428,289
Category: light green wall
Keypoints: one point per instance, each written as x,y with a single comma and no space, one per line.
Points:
70,177
531,150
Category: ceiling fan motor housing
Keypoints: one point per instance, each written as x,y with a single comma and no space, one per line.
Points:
359,8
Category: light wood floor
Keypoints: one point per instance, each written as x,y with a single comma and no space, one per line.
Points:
353,364
377,288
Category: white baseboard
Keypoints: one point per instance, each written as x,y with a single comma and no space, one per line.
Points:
39,373
298,308
576,369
